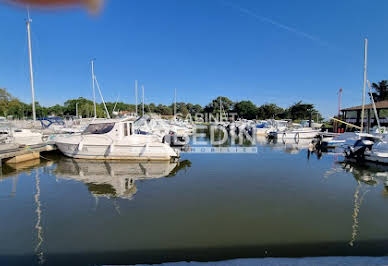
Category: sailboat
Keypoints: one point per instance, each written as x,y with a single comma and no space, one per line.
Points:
369,147
22,136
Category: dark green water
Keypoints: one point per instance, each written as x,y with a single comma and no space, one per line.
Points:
282,201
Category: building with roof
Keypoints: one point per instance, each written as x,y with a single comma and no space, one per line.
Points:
353,114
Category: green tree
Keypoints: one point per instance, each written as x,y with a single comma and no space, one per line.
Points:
300,110
163,110
381,90
214,106
270,110
246,109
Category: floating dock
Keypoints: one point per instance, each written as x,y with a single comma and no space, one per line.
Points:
21,154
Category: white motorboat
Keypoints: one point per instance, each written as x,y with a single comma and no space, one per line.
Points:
378,152
115,139
347,138
357,147
20,136
296,133
167,132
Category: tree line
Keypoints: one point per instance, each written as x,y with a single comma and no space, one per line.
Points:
14,108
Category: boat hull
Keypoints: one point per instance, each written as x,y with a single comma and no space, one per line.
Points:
297,135
118,152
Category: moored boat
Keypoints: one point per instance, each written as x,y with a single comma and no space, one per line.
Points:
115,139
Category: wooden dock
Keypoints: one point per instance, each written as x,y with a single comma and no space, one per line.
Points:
21,154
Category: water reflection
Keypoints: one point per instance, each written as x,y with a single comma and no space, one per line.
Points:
338,215
115,179
368,173
290,146
359,196
38,226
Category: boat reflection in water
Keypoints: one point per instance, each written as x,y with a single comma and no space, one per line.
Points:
115,179
367,175
291,146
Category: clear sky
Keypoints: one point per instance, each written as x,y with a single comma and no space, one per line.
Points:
265,51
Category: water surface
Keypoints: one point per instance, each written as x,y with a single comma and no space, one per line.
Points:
283,201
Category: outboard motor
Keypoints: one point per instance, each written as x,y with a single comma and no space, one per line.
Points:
174,140
357,151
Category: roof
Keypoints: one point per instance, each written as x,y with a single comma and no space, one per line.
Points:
379,105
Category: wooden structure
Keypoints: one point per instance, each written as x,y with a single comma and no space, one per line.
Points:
24,154
353,115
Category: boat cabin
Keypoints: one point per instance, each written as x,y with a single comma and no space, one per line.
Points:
116,128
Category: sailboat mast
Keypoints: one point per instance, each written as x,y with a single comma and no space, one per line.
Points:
175,104
31,70
142,104
136,96
94,89
363,90
339,102
220,108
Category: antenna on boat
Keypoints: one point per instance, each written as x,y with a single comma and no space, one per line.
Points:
28,22
363,90
136,97
94,90
142,104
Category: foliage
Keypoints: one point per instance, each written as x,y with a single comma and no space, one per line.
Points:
246,109
381,89
270,110
214,106
11,106
300,111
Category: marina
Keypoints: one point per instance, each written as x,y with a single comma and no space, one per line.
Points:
217,132
137,212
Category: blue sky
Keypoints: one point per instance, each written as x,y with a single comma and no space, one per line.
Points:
265,51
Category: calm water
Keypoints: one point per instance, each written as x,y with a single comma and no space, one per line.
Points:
282,201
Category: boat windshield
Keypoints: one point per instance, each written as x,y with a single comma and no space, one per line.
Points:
101,128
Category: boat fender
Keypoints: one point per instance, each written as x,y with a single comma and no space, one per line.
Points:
112,148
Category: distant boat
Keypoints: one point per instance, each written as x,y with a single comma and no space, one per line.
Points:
18,136
263,128
297,131
115,139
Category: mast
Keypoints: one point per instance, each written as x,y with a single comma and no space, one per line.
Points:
94,90
102,98
175,104
31,70
142,104
374,106
363,90
220,108
339,102
136,96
